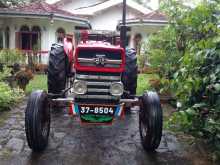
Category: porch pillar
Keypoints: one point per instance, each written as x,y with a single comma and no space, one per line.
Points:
3,35
131,42
2,32
12,39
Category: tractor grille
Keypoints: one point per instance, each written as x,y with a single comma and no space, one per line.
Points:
100,58
98,87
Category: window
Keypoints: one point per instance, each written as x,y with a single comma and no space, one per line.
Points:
7,38
29,39
60,34
36,38
25,38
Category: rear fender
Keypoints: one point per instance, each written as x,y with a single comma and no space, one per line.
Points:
68,48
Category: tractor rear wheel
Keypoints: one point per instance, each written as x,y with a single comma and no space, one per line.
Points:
37,121
150,121
130,75
57,69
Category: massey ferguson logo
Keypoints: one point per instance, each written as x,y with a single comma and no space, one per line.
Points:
100,59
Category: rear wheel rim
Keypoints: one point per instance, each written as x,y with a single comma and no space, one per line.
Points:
45,121
45,129
144,129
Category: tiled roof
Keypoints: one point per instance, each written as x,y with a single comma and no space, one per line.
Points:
152,18
155,15
41,8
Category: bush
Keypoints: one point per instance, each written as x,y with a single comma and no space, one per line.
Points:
23,78
18,76
8,96
187,53
10,57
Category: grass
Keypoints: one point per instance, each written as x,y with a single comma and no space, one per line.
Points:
40,82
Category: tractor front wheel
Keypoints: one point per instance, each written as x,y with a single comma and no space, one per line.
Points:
37,121
150,121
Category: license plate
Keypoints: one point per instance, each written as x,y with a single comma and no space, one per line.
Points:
97,110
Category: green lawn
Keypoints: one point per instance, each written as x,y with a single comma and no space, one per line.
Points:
40,82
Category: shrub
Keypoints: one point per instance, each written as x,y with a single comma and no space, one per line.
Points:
8,96
10,57
187,53
6,72
23,77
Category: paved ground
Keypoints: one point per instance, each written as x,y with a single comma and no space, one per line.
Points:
71,143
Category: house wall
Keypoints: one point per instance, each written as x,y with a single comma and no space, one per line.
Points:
144,30
48,31
16,23
108,19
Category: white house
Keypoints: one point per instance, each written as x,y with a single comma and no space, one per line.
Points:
37,25
107,15
102,14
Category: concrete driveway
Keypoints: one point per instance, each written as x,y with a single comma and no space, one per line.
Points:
71,143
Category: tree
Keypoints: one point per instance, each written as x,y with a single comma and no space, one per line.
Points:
187,56
9,3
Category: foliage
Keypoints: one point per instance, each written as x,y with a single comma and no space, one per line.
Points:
187,53
8,96
23,77
143,83
11,57
141,61
17,76
10,3
5,73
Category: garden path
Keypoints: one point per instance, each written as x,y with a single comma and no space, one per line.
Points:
71,143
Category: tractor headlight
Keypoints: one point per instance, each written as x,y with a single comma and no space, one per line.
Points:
79,87
117,89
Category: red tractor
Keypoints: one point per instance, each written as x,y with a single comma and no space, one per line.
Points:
98,84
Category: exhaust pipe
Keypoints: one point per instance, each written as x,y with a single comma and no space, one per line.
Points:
123,28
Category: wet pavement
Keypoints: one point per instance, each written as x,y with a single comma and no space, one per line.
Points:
72,143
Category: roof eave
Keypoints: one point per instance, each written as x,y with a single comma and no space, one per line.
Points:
46,15
22,14
74,19
139,22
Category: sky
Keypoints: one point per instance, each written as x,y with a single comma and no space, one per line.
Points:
51,1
